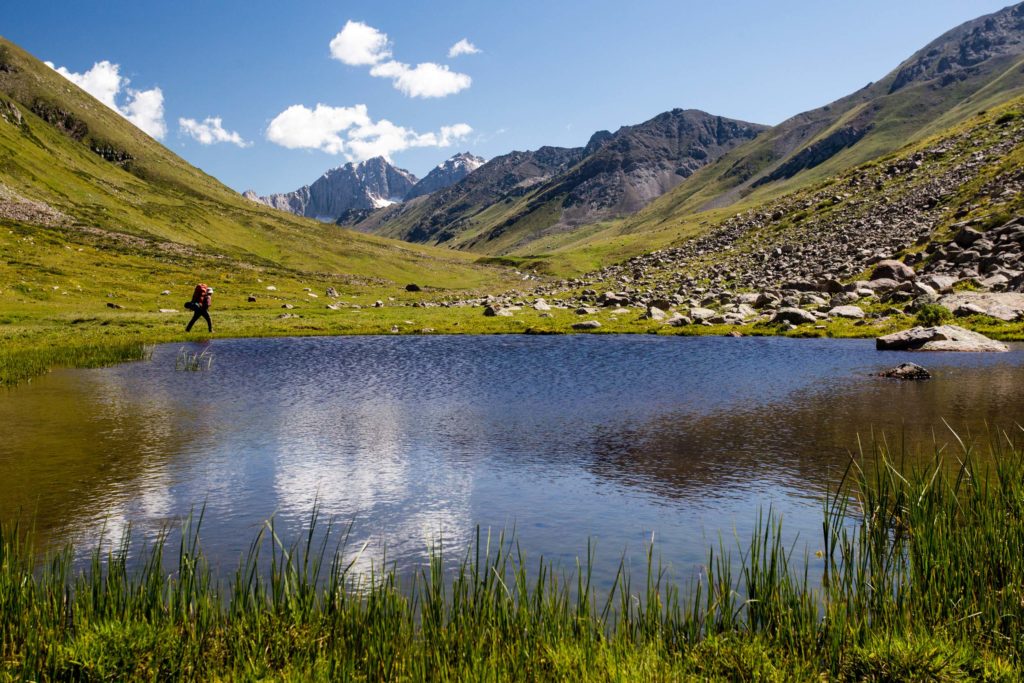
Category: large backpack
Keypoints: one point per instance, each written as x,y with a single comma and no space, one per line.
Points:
201,295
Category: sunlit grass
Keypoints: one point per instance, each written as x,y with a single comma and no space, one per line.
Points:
918,575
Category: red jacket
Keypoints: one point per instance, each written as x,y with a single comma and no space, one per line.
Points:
201,295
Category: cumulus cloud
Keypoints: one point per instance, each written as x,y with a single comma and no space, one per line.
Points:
463,47
351,131
210,131
144,108
423,80
358,44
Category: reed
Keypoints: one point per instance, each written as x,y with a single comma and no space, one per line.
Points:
193,361
918,575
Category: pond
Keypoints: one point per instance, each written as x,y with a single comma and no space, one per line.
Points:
561,439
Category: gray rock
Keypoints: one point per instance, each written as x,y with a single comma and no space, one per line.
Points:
541,305
250,299
907,371
331,292
587,310
701,314
655,313
793,316
941,338
412,287
587,325
846,312
890,269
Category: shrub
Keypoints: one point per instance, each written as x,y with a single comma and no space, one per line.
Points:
933,314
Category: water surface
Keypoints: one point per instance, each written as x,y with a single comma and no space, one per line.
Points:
564,439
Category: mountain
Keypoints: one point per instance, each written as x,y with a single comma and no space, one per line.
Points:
570,227
973,67
524,194
371,184
446,174
438,217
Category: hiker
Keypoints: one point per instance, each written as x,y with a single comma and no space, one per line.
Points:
200,306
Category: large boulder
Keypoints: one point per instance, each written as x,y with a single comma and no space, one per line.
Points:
846,312
793,316
941,338
892,270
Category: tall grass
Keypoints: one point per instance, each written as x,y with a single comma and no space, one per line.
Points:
919,575
20,363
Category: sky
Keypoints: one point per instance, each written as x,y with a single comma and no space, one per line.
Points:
269,95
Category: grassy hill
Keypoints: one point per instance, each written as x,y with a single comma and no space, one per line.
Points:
97,219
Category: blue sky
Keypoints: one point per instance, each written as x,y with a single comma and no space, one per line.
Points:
547,72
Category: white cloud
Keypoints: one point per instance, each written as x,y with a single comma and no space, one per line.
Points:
358,44
463,47
351,131
144,108
423,80
210,131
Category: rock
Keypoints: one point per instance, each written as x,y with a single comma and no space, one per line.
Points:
251,299
492,311
166,292
734,333
940,283
655,313
941,338
331,293
613,299
967,237
168,310
965,310
311,294
271,288
541,305
111,304
587,310
285,316
892,270
593,311
378,304
765,300
1005,306
701,314
287,306
907,371
663,304
333,307
882,285
846,312
843,299
678,320
793,316
587,325
413,288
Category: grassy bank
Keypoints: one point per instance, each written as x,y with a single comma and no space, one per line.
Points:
918,575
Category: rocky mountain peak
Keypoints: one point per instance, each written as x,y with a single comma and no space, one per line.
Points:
362,186
446,174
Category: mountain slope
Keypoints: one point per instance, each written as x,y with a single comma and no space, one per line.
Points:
440,217
977,65
362,187
74,167
614,175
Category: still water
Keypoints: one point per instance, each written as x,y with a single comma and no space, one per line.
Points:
610,439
